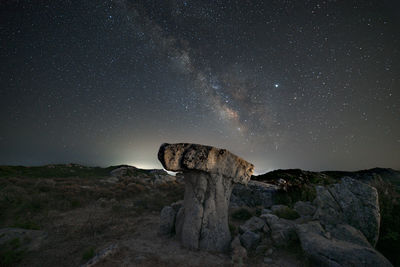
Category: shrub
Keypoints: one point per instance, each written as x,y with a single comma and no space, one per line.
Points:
232,229
287,213
88,254
11,253
241,214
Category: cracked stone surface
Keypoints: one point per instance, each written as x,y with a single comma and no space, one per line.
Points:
350,202
209,174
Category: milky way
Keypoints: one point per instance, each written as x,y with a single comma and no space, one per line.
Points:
284,84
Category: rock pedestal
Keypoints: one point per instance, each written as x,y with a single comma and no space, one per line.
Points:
209,175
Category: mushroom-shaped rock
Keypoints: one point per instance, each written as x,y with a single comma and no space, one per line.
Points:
209,175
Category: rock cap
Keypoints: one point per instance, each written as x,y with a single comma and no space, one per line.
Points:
184,156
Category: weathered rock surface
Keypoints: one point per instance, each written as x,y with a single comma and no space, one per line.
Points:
254,194
209,175
184,157
350,202
325,250
304,208
282,231
253,224
167,220
239,253
250,239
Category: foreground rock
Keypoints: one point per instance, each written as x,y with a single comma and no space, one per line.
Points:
253,194
345,227
209,175
325,250
167,220
350,202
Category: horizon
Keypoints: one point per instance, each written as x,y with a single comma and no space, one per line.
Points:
282,84
255,173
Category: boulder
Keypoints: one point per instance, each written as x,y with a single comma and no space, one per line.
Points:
282,231
177,205
209,174
239,253
253,224
250,239
304,208
266,211
179,222
350,202
254,194
324,250
167,220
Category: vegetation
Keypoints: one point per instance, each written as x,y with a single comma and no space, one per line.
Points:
88,254
241,214
11,253
287,213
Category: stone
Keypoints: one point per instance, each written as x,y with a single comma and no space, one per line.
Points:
304,208
266,229
282,232
103,254
253,224
239,253
266,211
260,249
209,175
253,194
179,222
167,220
348,233
278,208
325,250
250,239
267,260
350,202
269,252
177,205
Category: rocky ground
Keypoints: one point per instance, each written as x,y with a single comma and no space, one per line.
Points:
71,215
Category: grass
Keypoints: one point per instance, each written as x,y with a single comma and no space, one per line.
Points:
11,253
63,171
287,213
88,254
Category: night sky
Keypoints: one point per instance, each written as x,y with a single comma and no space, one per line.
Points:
283,84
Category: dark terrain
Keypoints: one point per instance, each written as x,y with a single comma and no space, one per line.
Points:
79,210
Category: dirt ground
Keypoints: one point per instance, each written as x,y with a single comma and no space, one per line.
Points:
81,217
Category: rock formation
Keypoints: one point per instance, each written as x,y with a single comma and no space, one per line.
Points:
349,202
209,175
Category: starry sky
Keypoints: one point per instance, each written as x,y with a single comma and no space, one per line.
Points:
282,83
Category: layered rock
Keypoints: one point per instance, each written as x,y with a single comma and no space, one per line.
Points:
209,175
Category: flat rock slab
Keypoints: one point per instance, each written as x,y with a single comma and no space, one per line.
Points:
183,157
